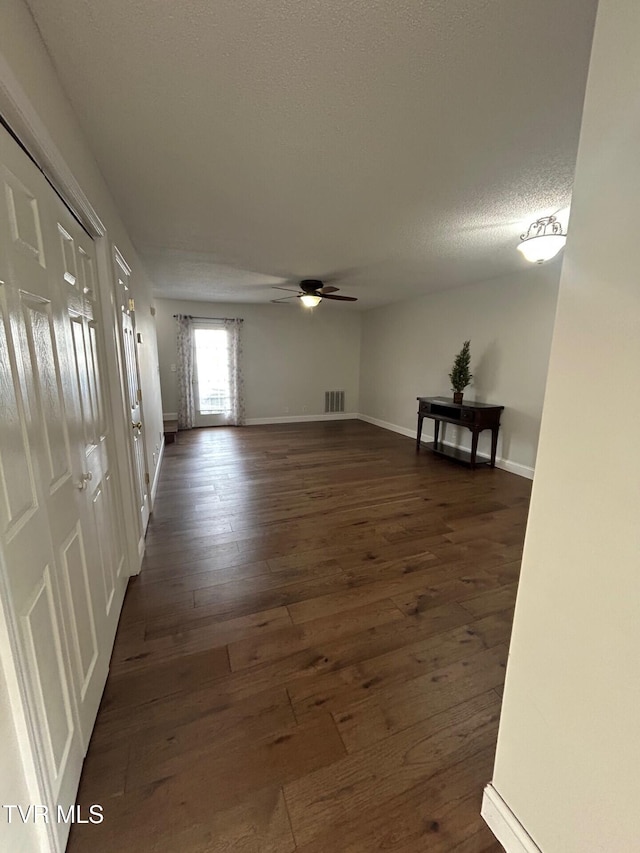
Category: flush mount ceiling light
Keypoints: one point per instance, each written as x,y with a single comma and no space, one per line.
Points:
310,300
543,240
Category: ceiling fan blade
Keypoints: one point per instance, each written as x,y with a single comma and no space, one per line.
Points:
288,289
340,298
328,289
284,299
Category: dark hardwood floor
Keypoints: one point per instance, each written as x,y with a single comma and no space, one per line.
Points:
313,656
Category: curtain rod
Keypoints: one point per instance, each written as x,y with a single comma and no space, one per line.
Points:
191,317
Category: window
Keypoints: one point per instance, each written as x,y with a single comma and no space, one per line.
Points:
211,375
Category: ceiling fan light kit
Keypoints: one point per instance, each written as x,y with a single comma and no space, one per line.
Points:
312,292
543,240
310,300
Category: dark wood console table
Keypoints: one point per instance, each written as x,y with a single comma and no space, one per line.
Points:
475,416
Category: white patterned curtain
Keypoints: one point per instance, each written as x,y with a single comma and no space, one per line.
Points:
186,407
235,415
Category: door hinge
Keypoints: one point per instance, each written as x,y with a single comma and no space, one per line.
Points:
147,478
139,395
132,304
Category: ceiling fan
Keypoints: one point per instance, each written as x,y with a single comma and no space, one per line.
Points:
311,293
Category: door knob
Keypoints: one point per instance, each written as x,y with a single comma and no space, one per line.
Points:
84,479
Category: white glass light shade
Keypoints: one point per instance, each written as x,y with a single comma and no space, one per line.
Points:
310,300
543,240
543,248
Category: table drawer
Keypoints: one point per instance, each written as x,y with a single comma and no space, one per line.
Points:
467,415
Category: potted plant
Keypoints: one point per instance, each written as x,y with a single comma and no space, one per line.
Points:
460,376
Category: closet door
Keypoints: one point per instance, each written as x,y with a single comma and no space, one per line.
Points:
99,515
59,539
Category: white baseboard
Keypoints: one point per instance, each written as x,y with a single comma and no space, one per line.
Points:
296,419
410,433
285,419
505,825
504,464
141,547
516,468
156,476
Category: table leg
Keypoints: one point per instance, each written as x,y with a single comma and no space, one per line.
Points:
494,446
436,433
420,419
474,447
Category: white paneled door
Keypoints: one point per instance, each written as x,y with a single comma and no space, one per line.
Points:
63,575
131,387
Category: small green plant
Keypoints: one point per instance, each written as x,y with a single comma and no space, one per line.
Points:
460,376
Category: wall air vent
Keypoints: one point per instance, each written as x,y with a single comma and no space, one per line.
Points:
334,401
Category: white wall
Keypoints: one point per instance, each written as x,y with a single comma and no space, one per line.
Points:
24,52
291,356
568,754
408,350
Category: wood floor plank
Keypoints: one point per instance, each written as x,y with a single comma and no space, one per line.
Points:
491,601
370,569
335,601
179,542
150,586
463,589
105,771
159,823
428,816
235,590
172,749
387,711
312,658
136,609
292,638
226,625
174,676
385,770
160,643
349,684
221,778
238,598
140,724
495,628
218,560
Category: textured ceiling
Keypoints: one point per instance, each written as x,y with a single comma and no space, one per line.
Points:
399,145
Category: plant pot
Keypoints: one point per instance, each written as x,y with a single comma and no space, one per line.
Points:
457,396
